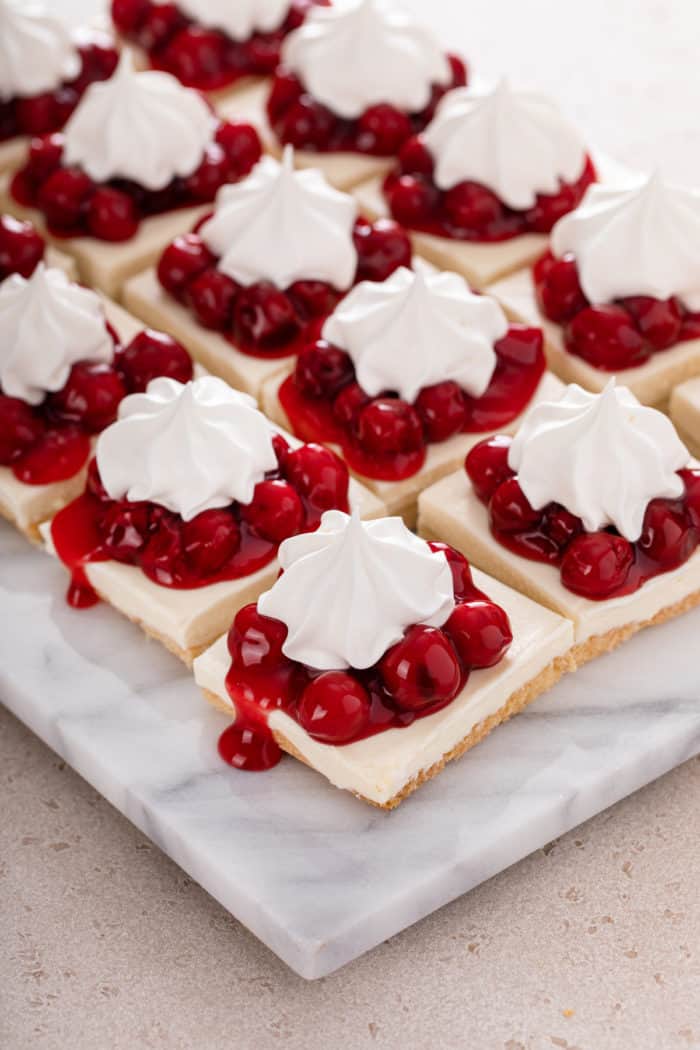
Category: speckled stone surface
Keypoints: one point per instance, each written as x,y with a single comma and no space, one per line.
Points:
592,943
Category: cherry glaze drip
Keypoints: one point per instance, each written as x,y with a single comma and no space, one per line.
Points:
609,336
601,565
262,680
324,415
470,211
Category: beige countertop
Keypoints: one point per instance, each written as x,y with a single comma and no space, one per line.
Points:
590,944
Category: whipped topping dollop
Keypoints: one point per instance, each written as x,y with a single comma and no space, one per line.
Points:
350,590
47,324
640,239
239,19
602,456
515,143
359,53
284,225
37,51
416,329
189,447
141,126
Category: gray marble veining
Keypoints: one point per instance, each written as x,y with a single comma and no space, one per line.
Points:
316,875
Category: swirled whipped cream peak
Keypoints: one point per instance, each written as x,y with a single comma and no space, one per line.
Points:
350,590
417,329
602,456
37,51
145,127
639,239
47,324
284,225
359,53
190,447
239,19
515,143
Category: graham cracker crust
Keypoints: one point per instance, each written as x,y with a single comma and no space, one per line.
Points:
570,661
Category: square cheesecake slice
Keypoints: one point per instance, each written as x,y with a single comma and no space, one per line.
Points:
385,769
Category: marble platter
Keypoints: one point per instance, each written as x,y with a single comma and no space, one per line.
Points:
318,876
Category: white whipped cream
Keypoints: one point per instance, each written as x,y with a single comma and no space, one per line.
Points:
350,590
515,143
189,447
141,126
416,329
641,239
37,51
283,225
239,19
47,324
602,456
360,53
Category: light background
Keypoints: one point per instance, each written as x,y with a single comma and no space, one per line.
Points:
590,944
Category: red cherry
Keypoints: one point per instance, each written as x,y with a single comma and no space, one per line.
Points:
472,206
559,292
312,298
348,404
255,641
382,130
510,510
112,215
415,158
264,317
91,396
606,337
690,329
59,454
160,25
560,525
248,749
334,708
125,530
129,15
196,55
241,144
183,261
21,247
442,409
462,582
262,52
212,296
20,429
597,564
521,346
421,670
667,537
44,157
319,476
210,541
163,555
322,370
151,354
306,124
37,115
388,426
204,183
64,197
281,447
481,633
487,465
691,480
658,320
413,200
276,512
286,90
382,247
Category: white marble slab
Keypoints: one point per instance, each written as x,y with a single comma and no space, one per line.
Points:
316,875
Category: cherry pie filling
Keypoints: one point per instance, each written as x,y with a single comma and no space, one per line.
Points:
51,442
596,565
300,120
415,678
262,320
609,336
386,438
74,205
470,211
42,114
201,57
215,546
21,247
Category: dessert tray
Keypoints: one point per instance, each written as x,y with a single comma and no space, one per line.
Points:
314,873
